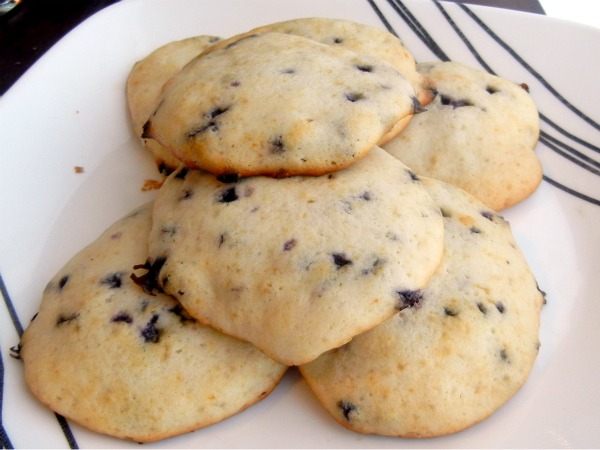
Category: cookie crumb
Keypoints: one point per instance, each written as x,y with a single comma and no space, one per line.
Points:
78,169
151,185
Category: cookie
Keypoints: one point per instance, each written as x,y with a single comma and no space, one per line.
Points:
478,134
296,265
279,105
145,82
458,352
361,38
121,362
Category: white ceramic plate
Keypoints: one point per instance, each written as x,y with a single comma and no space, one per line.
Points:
69,110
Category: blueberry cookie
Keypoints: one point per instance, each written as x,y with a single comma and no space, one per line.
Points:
362,38
145,82
296,265
119,361
279,105
479,134
462,347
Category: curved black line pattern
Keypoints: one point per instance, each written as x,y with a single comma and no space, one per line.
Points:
4,439
418,29
573,192
526,65
552,143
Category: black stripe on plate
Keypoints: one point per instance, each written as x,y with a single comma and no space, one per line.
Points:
64,425
10,307
4,439
382,17
568,152
573,192
417,28
524,63
554,144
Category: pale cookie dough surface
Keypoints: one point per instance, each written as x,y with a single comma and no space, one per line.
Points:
296,265
463,348
361,38
479,134
278,104
104,354
144,86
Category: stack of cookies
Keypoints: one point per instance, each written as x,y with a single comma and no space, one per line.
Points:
321,209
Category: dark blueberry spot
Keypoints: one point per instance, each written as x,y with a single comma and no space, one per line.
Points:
416,105
164,281
210,123
151,333
475,230
449,101
365,196
450,312
288,70
409,299
413,176
182,173
15,351
181,313
354,96
365,67
187,194
66,319
146,130
122,317
504,355
277,145
500,307
376,264
113,280
488,215
288,245
482,307
227,196
149,281
164,169
234,83
346,408
540,291
170,230
222,239
337,40
491,90
340,260
228,178
63,281
144,305
218,111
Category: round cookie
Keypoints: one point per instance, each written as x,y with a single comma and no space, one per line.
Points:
121,362
361,38
296,265
145,82
463,347
278,104
479,134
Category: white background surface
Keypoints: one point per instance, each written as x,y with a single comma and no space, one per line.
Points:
581,11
